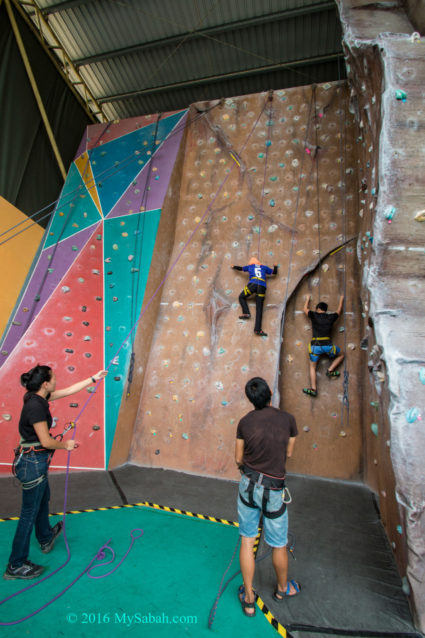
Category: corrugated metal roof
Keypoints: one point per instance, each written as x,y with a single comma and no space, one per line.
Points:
145,57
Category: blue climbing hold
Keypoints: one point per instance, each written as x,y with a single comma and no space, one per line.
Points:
272,203
268,142
412,415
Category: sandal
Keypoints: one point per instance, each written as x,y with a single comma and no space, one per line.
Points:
333,373
260,333
310,392
280,595
244,604
244,316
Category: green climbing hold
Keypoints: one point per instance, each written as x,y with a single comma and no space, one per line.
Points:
374,428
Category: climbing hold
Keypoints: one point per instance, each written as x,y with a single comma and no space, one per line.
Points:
7,417
185,436
412,415
342,434
224,403
374,404
75,248
389,213
87,355
272,203
420,216
260,155
83,308
96,427
117,378
374,428
422,375
69,350
16,323
130,257
37,298
399,529
65,289
85,323
405,586
400,95
268,142
73,405
157,451
306,428
95,271
68,334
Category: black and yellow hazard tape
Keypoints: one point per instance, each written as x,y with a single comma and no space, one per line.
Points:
155,506
271,619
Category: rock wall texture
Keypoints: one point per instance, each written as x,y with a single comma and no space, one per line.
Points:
270,175
386,68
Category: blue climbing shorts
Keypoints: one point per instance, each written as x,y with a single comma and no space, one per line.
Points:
316,351
275,529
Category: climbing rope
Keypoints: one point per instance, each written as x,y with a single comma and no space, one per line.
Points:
268,144
345,408
317,187
138,252
291,250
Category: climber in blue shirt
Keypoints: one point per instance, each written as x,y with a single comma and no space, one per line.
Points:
256,286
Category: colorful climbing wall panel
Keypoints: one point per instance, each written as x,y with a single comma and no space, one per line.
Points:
79,308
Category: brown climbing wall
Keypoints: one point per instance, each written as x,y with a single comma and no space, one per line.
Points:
386,68
260,176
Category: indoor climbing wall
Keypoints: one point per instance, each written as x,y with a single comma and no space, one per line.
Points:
271,175
385,58
79,307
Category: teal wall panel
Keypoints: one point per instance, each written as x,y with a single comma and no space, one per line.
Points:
128,247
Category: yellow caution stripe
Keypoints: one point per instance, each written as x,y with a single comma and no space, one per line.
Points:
271,619
172,510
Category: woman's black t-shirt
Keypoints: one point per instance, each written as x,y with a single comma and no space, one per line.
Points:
35,410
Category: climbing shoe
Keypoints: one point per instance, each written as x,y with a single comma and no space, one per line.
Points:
333,373
260,333
244,316
47,547
310,392
26,571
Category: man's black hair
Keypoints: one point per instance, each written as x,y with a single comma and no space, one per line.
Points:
258,392
322,306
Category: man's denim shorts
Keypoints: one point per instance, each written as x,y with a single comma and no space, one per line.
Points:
330,350
275,529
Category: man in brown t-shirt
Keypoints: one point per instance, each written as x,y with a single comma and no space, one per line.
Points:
265,438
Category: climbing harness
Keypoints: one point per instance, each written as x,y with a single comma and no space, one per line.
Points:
258,479
25,447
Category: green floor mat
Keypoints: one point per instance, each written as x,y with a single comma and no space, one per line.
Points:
165,587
